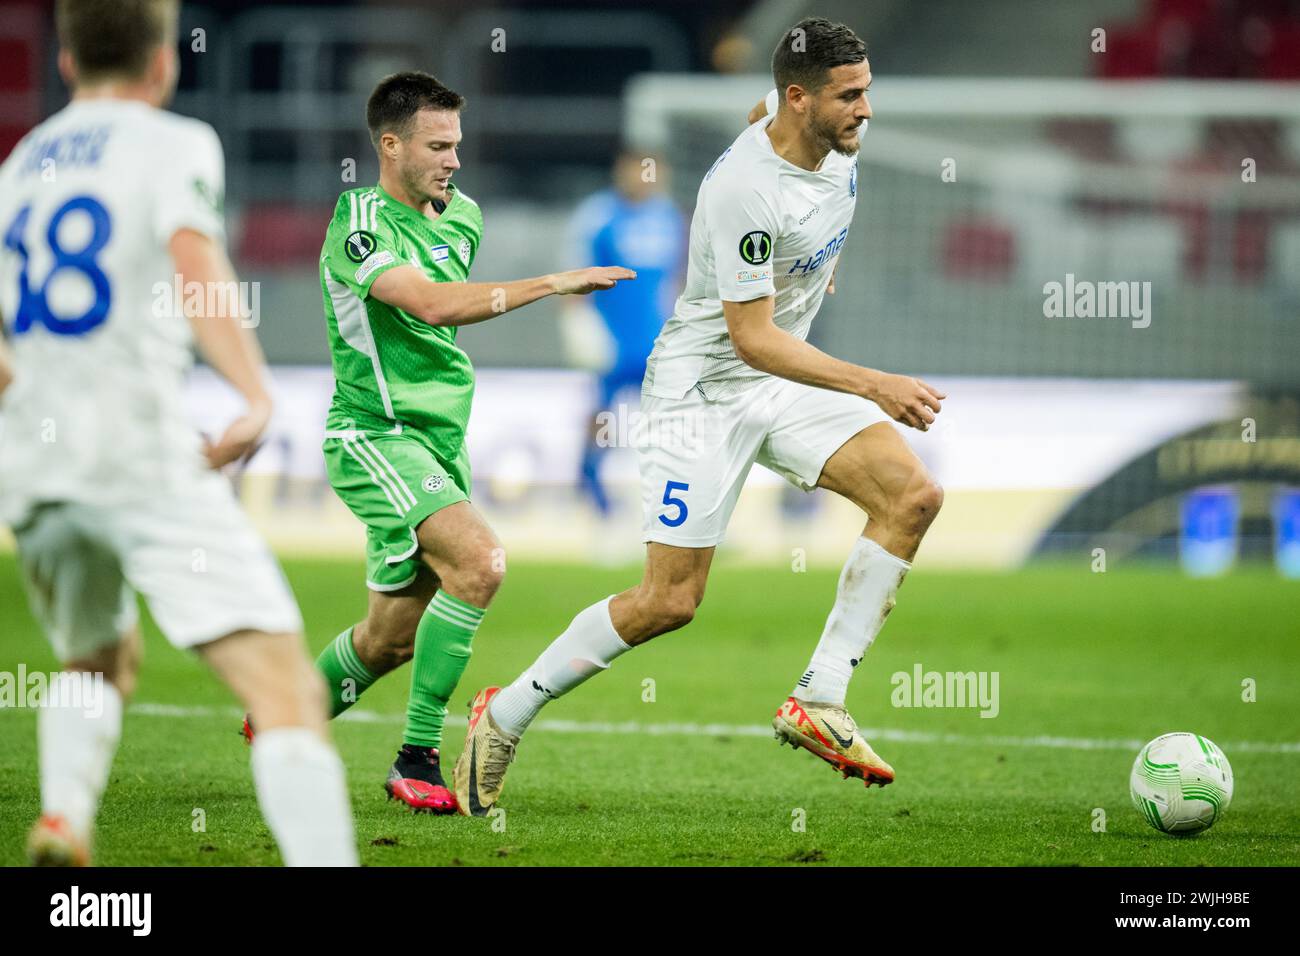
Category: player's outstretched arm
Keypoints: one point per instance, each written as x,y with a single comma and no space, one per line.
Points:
762,345
464,303
225,343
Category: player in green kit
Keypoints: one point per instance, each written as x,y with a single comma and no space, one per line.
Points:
393,275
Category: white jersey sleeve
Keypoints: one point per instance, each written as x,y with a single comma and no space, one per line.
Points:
743,224
190,189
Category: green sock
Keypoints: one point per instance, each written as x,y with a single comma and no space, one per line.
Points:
442,649
345,676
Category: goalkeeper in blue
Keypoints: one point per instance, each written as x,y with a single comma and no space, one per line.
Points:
634,224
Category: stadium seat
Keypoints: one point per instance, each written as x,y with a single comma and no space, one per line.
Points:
22,40
1195,13
978,249
1131,53
1282,61
280,234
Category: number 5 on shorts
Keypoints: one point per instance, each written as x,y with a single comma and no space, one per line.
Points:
675,503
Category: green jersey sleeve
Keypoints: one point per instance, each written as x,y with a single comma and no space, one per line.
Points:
360,247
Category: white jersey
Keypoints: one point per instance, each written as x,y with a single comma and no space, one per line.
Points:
89,201
762,226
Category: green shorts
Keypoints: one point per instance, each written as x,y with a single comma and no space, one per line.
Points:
392,482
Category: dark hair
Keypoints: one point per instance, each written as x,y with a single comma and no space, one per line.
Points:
114,37
395,101
810,49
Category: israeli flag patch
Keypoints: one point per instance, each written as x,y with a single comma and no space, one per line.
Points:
441,253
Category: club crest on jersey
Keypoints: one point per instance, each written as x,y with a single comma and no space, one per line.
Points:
756,247
359,245
853,180
433,483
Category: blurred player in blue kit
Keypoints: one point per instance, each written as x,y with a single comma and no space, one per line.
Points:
634,223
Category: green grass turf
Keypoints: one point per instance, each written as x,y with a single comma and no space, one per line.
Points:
1128,654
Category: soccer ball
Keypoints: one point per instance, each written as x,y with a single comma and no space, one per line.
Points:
1181,783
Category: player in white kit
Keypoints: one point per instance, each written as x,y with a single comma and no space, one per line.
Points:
109,490
732,381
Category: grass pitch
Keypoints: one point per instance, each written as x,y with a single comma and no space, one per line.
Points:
1089,665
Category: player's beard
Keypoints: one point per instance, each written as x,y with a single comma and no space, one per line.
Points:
420,185
827,136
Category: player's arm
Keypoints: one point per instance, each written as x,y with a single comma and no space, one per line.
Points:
225,343
464,303
188,220
762,345
763,107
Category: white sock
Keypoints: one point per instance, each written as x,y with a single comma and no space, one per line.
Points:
865,597
585,648
76,743
301,789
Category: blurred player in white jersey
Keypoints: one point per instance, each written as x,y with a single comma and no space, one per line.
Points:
109,490
732,381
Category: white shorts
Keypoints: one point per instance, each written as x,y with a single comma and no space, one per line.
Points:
194,556
695,454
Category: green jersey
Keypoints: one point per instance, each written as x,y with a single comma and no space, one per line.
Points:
390,368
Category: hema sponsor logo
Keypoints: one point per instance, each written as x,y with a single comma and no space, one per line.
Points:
827,252
74,908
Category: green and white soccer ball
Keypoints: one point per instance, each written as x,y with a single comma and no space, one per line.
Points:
1181,783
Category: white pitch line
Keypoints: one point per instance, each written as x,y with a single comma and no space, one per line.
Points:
632,727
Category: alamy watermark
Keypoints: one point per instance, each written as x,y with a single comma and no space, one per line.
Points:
180,299
82,690
625,426
74,908
922,688
1085,299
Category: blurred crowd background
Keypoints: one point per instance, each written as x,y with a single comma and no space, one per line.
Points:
1015,143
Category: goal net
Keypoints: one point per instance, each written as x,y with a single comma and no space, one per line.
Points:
1167,213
